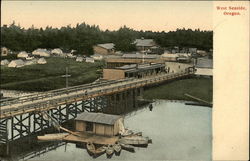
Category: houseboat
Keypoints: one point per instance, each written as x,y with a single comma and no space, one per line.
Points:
100,133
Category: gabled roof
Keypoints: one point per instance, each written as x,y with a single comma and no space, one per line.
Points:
98,118
144,42
107,45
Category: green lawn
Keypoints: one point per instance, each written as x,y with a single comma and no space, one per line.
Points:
42,77
198,87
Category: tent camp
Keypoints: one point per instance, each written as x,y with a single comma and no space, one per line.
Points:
23,54
41,61
4,62
41,52
16,63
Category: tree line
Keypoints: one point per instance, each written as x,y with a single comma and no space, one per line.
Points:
82,37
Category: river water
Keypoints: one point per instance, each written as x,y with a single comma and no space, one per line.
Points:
178,132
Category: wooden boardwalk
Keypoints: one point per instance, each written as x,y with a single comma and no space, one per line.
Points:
53,99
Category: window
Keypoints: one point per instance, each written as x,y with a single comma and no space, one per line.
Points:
89,126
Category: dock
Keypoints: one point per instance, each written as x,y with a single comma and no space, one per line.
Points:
84,137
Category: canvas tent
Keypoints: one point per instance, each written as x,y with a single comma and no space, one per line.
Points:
23,54
30,62
4,62
41,52
16,63
79,59
41,61
90,60
57,51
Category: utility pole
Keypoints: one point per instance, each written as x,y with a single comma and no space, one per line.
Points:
66,77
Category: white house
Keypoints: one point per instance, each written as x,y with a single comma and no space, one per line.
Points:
41,61
41,52
16,63
23,54
4,62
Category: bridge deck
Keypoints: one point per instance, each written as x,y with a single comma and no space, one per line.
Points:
55,98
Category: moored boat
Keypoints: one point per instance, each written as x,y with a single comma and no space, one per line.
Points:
90,148
127,147
109,151
117,148
135,140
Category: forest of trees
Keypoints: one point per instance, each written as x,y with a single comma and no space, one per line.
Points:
83,36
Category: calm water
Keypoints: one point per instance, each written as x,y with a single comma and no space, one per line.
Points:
178,132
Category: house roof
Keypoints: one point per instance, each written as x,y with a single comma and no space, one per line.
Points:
98,118
204,63
140,56
144,42
142,67
107,45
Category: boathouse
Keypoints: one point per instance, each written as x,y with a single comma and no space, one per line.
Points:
99,123
133,71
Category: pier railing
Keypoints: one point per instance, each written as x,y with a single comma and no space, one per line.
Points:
55,98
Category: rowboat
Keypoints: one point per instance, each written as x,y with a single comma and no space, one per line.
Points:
90,148
52,137
126,147
109,151
135,140
117,147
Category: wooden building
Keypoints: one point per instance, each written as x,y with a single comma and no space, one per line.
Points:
99,123
104,49
144,44
133,71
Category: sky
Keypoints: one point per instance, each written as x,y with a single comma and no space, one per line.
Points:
111,15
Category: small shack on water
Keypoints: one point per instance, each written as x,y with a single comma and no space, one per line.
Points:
99,123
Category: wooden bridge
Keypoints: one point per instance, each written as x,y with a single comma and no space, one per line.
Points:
23,114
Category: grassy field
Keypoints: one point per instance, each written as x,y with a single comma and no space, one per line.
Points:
43,77
198,87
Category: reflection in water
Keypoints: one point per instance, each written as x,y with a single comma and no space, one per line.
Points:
178,131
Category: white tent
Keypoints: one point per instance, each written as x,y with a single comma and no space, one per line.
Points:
23,54
41,61
57,51
90,60
79,59
4,62
41,52
29,62
16,63
97,57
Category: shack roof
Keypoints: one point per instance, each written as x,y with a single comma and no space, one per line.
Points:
140,56
204,63
142,67
98,118
107,45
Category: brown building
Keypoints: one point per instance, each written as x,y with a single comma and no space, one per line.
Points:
104,49
144,44
133,71
99,123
